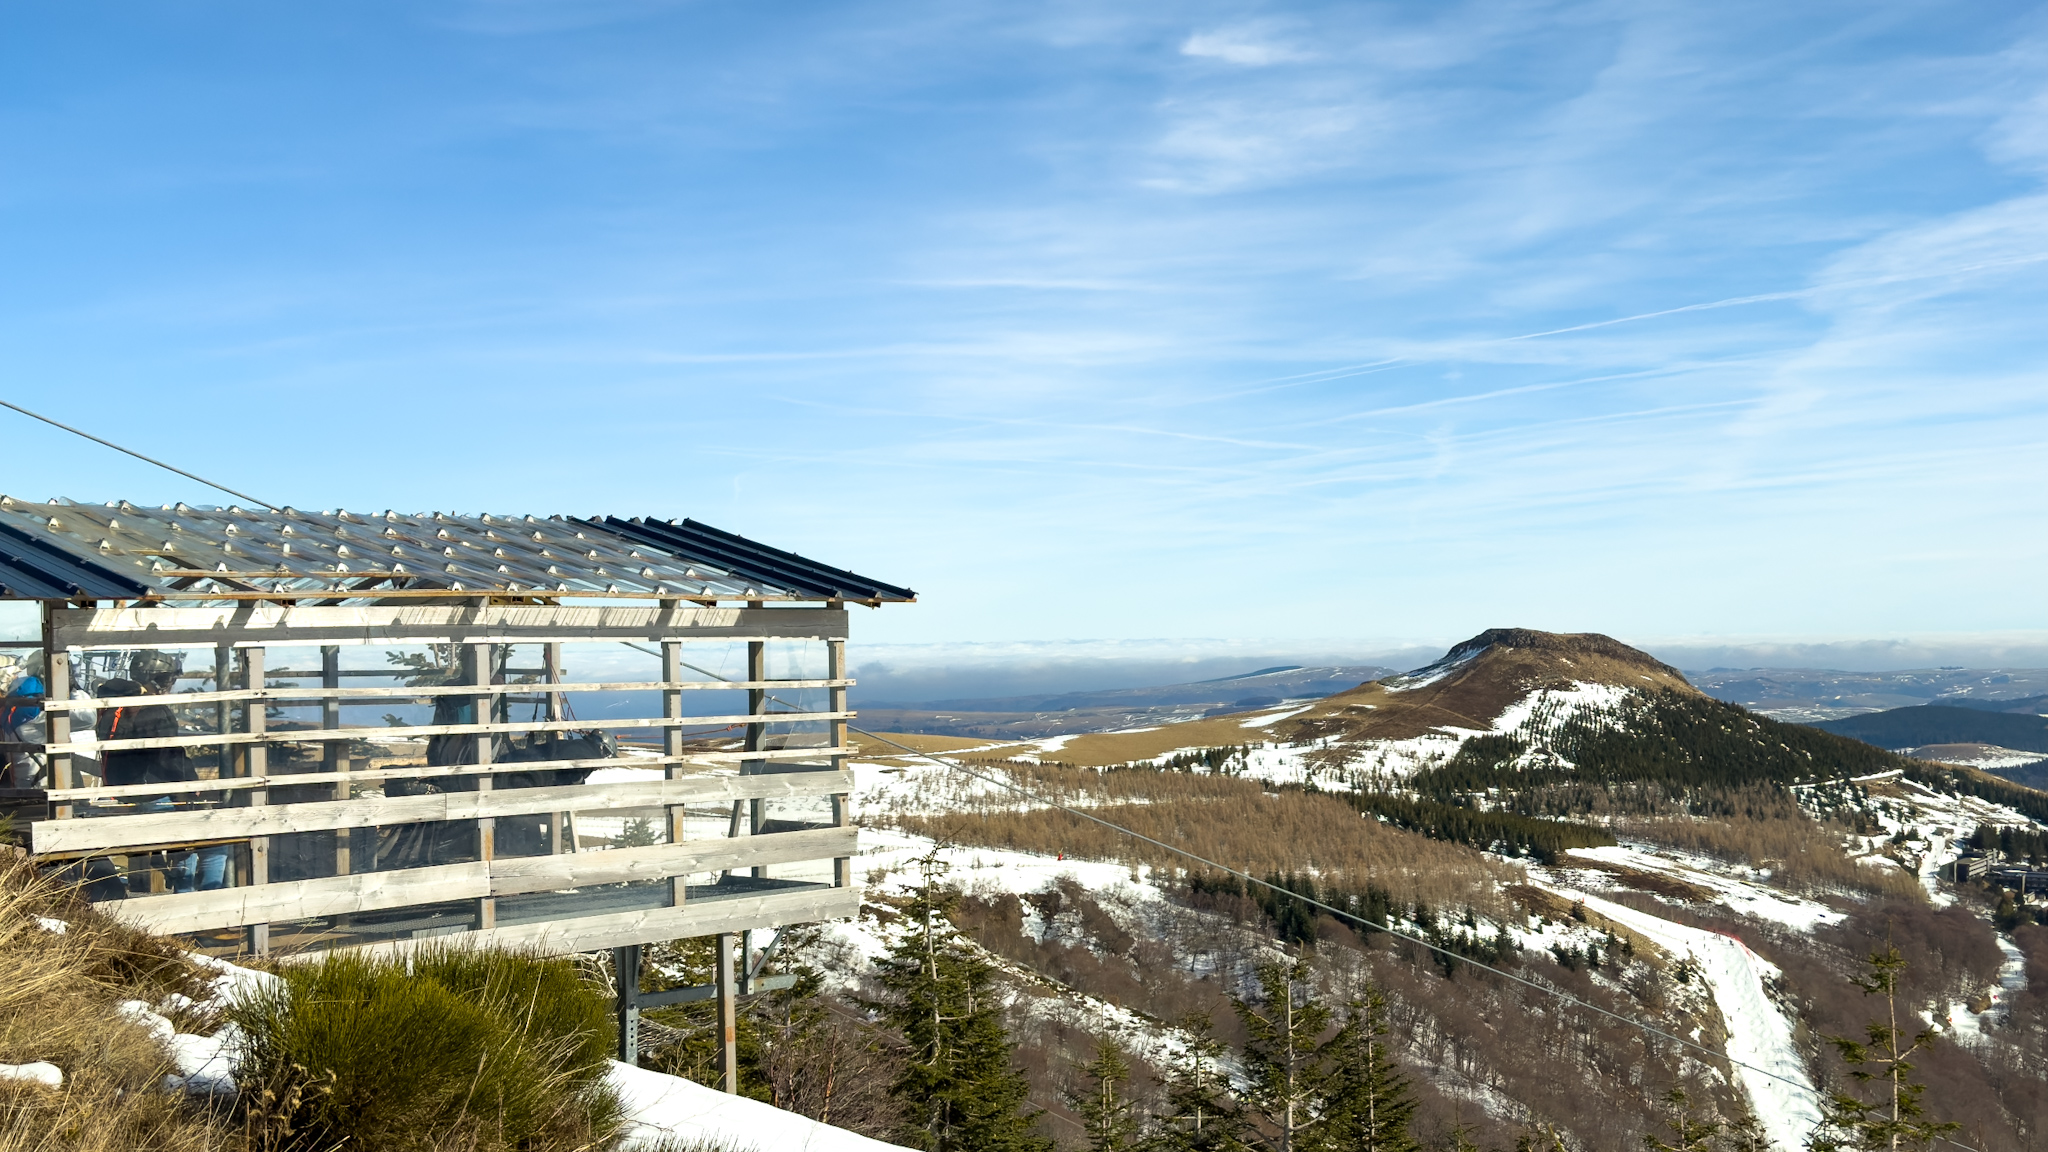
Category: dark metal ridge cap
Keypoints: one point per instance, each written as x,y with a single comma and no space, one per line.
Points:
749,558
61,573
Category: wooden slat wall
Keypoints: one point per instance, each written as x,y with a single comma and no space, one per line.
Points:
239,634
614,930
373,891
115,833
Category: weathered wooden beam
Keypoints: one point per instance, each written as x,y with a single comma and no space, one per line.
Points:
702,760
382,695
318,735
375,891
112,833
617,929
259,623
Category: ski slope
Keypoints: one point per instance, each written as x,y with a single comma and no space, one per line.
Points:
1759,1034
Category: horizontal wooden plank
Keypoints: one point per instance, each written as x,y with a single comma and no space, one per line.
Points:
395,695
333,896
419,772
618,929
515,875
376,891
255,623
114,833
328,735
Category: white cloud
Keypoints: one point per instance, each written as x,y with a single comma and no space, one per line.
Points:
1250,47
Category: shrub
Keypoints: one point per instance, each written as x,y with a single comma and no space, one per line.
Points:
472,1049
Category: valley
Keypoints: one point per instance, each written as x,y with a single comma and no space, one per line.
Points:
1527,833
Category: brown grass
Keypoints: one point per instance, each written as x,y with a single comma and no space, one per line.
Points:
1232,822
1801,854
870,748
57,1004
1104,748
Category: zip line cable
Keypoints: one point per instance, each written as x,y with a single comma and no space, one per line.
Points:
1027,794
1388,928
137,455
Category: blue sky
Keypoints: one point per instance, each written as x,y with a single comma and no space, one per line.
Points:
1088,320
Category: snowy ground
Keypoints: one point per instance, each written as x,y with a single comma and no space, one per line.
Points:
1760,1034
657,1107
662,1108
1735,887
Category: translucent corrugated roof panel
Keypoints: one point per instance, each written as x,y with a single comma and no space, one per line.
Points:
63,550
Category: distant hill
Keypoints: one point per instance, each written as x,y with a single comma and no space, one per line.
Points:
1478,680
1106,710
2026,705
1926,724
1247,690
1807,695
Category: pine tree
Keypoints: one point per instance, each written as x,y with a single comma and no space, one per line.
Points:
1102,1102
1892,1121
1745,1133
1199,1115
1369,1105
960,1087
1689,1134
1283,1059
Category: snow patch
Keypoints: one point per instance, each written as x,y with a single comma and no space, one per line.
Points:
1272,717
1735,887
1759,1034
40,1072
662,1108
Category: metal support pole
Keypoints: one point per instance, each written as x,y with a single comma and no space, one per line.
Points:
746,963
626,968
728,1016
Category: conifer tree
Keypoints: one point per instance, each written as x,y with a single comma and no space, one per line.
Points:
1892,1120
1284,1061
1745,1133
1199,1114
1688,1132
1102,1101
1369,1105
960,1089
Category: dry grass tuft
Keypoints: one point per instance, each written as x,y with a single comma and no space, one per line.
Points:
57,1004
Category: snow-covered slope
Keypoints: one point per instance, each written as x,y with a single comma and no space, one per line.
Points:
666,1108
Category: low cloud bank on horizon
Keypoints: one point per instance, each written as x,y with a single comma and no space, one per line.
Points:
905,672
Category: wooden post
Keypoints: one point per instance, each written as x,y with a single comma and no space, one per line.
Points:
334,753
480,660
728,1017
57,725
842,803
757,733
257,757
672,745
626,969
564,831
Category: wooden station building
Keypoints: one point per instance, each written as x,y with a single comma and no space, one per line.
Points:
273,730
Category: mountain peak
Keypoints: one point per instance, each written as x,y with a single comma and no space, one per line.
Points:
1569,645
1480,679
